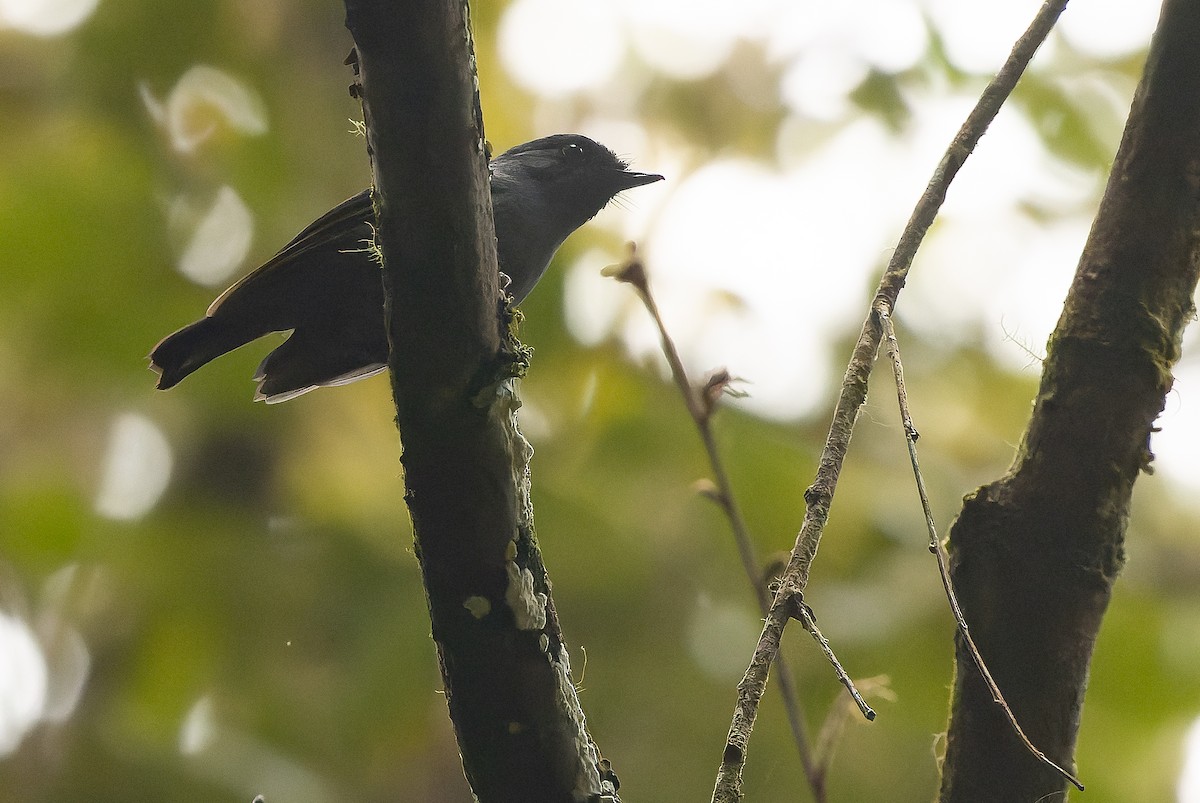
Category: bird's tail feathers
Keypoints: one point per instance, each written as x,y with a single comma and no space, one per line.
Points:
308,360
178,354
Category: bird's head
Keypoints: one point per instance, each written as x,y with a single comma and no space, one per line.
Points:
572,176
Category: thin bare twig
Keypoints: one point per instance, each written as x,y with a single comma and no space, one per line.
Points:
700,403
809,621
840,713
788,600
935,546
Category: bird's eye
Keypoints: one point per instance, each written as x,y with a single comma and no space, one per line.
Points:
572,151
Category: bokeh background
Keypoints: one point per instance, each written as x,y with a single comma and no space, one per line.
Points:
204,598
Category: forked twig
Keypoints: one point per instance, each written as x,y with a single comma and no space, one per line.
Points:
789,596
701,403
935,546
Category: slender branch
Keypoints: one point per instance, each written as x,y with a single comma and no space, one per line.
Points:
700,406
788,601
809,621
935,546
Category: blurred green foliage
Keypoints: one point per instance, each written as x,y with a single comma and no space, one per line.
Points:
263,629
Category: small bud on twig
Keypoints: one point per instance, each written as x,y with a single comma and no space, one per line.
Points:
719,383
709,490
631,271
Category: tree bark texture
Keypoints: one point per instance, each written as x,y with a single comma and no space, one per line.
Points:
504,667
1035,554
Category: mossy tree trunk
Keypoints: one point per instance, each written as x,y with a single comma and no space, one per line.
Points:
1035,554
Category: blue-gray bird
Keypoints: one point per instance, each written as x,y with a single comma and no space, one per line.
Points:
326,288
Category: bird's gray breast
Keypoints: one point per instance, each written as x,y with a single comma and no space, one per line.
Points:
527,230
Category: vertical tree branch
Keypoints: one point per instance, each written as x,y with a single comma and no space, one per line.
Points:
506,673
1035,554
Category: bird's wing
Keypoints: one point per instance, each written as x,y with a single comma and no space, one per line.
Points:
350,211
336,224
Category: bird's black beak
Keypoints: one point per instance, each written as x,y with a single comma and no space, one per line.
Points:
627,180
